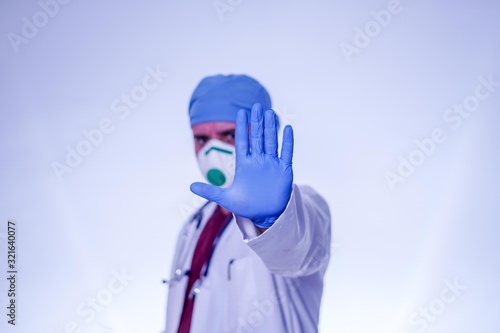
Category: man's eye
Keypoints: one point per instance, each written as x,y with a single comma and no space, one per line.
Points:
200,139
230,136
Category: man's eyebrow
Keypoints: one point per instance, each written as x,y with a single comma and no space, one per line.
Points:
200,136
226,132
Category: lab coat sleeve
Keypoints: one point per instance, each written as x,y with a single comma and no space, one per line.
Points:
298,243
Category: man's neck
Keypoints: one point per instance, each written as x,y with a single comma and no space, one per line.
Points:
225,211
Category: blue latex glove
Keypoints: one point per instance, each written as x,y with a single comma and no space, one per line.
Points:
263,181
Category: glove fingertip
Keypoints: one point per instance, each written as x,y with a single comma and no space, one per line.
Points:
196,188
206,191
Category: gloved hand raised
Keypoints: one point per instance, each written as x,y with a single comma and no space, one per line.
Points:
262,182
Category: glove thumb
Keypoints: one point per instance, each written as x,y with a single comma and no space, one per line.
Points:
209,192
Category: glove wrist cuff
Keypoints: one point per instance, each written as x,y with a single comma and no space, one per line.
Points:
264,223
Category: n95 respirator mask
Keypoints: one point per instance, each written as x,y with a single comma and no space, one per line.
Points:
217,162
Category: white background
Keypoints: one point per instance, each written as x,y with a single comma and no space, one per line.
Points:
122,207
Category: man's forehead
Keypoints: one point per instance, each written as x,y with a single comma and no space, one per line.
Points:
213,127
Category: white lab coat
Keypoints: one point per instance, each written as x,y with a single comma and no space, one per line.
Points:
271,283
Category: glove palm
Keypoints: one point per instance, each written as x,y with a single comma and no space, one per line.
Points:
262,182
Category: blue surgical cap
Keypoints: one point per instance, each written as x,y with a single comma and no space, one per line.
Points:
220,97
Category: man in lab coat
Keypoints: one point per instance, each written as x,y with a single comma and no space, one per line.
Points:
253,258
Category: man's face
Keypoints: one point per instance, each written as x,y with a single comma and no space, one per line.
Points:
221,130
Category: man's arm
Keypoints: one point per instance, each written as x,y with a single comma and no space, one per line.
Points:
298,243
286,225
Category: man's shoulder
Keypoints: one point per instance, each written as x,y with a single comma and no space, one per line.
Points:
308,190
